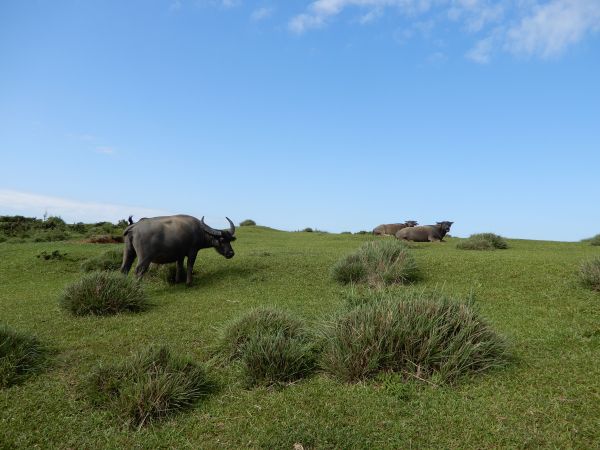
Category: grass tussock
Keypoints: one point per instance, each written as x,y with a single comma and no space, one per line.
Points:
483,241
149,386
247,223
108,260
272,346
378,263
21,356
589,273
425,336
104,293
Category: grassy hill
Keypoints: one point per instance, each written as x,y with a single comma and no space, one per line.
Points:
549,396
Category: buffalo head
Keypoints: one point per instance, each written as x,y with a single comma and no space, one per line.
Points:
221,239
445,226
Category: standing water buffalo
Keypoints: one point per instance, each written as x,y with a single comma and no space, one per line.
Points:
169,239
391,229
425,233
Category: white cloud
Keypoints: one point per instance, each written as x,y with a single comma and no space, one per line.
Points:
27,204
553,27
521,27
261,14
320,11
482,52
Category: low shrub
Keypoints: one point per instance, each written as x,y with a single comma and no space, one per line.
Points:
54,255
149,386
247,223
109,260
594,240
308,230
52,235
104,293
589,273
483,241
21,355
104,239
416,334
378,263
272,346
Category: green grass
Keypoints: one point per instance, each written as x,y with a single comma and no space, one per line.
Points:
483,241
549,397
21,356
148,386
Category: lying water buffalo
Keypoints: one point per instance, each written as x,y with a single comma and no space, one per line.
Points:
391,229
425,233
169,239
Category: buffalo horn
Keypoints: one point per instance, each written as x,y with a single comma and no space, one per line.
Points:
231,226
208,229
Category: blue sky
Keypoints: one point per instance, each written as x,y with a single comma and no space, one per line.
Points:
334,114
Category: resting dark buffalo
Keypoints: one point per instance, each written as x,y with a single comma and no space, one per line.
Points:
391,229
425,233
168,239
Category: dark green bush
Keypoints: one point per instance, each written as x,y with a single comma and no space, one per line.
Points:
109,260
589,273
55,255
149,386
104,293
247,223
594,240
272,346
419,335
378,263
308,230
483,241
21,355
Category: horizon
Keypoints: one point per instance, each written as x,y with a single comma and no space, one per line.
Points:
338,115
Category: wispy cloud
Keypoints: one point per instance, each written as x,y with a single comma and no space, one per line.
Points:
29,204
261,14
532,28
553,27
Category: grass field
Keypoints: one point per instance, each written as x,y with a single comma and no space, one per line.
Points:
548,397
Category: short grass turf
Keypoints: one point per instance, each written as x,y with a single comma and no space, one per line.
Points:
548,397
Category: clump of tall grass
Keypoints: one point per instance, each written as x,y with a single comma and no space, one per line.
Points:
378,263
104,293
589,273
108,260
21,355
149,386
272,346
419,335
483,241
247,223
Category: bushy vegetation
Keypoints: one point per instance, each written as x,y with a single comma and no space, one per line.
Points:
104,293
593,240
416,334
247,223
378,263
166,273
21,355
272,346
20,229
149,386
108,260
483,241
54,255
589,273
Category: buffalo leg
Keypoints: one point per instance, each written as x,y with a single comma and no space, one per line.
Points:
142,267
179,274
128,257
190,268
